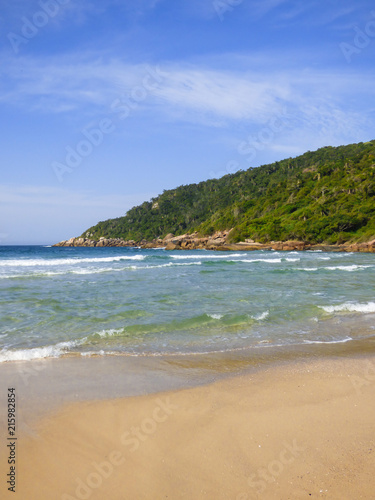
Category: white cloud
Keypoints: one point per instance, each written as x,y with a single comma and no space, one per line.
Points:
196,93
224,94
324,107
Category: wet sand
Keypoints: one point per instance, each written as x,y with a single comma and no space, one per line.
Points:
294,429
45,385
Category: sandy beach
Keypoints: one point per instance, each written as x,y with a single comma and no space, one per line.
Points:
301,430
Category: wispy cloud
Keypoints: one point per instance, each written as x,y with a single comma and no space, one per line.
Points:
284,13
196,93
226,95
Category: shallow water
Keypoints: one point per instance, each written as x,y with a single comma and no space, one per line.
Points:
85,301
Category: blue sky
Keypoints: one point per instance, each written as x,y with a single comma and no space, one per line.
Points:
106,104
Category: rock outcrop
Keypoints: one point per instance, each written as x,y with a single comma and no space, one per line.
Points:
102,242
218,241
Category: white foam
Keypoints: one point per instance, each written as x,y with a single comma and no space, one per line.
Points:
29,354
288,259
42,274
328,341
61,262
109,333
206,256
262,316
270,261
73,271
171,264
98,271
351,268
216,316
89,354
38,273
52,351
350,307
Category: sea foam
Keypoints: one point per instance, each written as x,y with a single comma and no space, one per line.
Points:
270,261
350,307
61,262
215,316
351,268
52,351
341,341
262,316
206,256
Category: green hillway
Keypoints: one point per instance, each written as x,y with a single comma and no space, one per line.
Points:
326,196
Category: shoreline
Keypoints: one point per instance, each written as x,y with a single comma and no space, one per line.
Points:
218,241
73,378
298,429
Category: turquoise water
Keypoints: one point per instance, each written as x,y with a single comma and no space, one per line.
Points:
59,301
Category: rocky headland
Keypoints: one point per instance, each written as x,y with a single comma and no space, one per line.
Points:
218,241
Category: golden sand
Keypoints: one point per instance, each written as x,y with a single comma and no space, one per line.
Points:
304,430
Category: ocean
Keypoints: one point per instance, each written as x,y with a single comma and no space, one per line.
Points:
128,301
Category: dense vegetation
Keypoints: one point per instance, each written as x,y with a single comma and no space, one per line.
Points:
322,196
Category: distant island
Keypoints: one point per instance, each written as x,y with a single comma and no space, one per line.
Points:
323,199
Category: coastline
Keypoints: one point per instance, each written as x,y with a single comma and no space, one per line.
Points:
221,431
73,377
298,430
218,241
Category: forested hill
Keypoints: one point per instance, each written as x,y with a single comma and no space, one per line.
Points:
322,196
